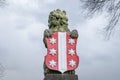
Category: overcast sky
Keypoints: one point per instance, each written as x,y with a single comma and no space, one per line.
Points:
22,51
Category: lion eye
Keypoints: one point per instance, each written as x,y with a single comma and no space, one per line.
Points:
57,18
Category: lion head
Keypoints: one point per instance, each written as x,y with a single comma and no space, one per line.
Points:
58,21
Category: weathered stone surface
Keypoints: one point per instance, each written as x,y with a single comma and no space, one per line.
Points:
57,22
61,77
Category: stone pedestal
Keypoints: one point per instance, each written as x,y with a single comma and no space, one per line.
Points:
61,77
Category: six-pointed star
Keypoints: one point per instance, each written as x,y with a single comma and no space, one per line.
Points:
52,51
52,63
71,41
72,63
52,41
71,52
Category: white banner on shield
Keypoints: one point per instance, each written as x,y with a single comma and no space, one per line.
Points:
62,61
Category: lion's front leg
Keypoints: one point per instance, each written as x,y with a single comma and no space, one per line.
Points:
74,33
47,33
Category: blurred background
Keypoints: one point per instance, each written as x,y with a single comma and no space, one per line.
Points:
22,51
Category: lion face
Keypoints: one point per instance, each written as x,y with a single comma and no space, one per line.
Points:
58,21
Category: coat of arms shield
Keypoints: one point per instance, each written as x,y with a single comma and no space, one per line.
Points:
61,52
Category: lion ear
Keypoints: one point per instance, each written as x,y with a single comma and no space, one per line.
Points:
64,12
58,10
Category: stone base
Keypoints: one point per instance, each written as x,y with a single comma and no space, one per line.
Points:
61,77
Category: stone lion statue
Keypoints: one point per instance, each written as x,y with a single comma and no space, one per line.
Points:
58,22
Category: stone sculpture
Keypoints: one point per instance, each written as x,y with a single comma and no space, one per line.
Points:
56,40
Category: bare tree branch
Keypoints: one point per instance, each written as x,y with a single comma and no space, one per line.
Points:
1,70
112,7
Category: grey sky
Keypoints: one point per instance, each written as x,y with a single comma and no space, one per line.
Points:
22,51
